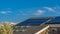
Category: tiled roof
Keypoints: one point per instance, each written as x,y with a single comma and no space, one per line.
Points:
31,30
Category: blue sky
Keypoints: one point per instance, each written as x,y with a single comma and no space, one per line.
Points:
19,10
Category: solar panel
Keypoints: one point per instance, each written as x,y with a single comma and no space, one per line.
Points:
56,20
32,22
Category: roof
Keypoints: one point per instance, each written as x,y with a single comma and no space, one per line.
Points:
34,29
31,30
33,21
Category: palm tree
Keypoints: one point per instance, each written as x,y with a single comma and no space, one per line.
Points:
5,28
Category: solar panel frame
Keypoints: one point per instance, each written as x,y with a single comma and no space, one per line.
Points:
31,22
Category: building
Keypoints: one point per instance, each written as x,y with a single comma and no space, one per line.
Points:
46,25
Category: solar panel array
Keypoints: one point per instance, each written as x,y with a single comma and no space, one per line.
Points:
56,20
32,22
39,21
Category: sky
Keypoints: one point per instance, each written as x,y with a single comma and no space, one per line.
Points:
19,10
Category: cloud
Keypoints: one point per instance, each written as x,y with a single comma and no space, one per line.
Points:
9,11
21,14
39,12
55,10
5,12
45,10
49,9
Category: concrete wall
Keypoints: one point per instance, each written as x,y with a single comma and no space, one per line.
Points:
54,25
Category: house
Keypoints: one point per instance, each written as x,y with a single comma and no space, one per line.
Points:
46,25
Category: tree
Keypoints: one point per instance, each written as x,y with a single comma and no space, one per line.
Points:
5,28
